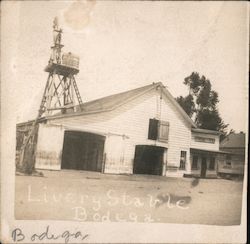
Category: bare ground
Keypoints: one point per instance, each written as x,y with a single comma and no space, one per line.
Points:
91,196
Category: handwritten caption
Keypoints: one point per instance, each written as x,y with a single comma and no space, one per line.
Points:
67,236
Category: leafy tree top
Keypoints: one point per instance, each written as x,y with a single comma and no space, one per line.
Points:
201,103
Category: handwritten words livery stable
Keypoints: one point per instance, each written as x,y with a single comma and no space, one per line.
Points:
94,208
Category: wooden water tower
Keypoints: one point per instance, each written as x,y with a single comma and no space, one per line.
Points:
60,93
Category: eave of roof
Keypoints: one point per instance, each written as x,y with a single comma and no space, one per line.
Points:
238,147
30,122
205,131
179,108
209,151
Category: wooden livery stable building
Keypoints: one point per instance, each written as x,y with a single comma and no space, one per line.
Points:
140,131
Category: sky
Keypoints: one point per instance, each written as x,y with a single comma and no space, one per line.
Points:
125,45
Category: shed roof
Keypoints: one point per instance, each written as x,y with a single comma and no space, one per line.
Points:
197,150
234,140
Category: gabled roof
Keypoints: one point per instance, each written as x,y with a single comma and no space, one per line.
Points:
234,140
111,102
116,100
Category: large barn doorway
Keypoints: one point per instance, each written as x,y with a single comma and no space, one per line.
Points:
148,160
82,151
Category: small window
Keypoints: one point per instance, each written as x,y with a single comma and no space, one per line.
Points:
183,160
195,162
212,163
228,160
158,130
153,129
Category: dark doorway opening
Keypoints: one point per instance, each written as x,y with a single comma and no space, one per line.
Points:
148,160
82,151
203,167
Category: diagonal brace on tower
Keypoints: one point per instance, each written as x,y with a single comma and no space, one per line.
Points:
60,93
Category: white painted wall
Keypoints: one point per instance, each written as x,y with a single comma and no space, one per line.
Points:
179,135
132,120
205,145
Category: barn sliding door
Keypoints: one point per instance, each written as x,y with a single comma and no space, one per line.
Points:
49,147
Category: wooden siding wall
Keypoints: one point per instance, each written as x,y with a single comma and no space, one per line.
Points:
237,165
179,135
205,145
127,126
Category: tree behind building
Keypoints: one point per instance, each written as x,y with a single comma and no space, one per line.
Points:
201,103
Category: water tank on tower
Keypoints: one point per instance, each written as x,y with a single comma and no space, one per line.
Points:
70,60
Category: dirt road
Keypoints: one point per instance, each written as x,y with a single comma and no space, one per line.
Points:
90,196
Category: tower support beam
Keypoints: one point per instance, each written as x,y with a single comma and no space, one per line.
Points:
60,93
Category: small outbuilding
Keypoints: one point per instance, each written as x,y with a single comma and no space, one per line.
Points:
233,162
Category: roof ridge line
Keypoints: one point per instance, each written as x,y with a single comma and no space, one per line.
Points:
115,94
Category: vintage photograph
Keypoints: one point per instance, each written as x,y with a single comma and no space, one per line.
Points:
131,112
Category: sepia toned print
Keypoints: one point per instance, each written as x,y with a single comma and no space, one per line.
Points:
127,117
